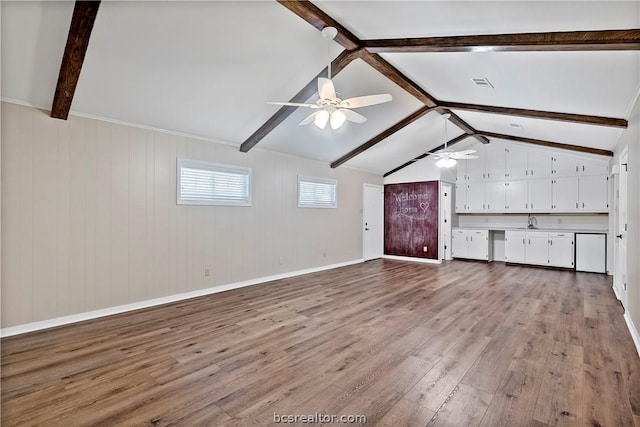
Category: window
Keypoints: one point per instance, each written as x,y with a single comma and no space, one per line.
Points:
316,192
205,183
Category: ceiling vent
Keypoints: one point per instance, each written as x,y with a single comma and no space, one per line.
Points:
482,82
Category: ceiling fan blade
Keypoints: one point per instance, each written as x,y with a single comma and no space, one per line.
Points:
364,101
352,116
326,90
462,156
309,119
293,104
465,152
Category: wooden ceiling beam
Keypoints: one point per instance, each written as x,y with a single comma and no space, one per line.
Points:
82,20
422,156
456,120
318,19
392,73
543,143
337,65
628,39
536,114
383,135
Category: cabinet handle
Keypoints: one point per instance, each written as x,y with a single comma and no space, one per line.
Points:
531,205
531,172
523,242
576,168
576,205
583,168
526,172
583,204
526,205
551,242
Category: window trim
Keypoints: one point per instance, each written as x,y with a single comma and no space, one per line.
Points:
215,167
318,180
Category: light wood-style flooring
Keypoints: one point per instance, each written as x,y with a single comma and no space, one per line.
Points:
405,344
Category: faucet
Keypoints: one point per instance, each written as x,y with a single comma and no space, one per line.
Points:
532,222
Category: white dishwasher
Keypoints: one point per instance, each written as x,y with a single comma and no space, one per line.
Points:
591,252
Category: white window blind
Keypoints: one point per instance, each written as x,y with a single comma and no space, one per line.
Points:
316,192
206,183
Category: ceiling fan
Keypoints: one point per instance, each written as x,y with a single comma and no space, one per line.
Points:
447,158
330,108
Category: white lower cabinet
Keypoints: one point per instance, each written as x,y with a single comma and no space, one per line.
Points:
561,249
539,248
471,244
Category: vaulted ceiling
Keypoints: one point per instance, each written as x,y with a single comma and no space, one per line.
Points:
564,74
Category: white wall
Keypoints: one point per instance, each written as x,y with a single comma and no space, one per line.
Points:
631,139
90,221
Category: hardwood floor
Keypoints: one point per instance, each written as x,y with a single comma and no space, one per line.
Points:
404,344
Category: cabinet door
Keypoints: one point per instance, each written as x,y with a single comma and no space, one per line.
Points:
565,194
514,246
461,197
515,163
475,196
494,196
476,167
593,167
540,164
494,161
594,193
564,166
478,244
459,243
540,199
537,251
516,199
461,171
561,249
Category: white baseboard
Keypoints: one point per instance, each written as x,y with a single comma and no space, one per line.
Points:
412,259
615,291
65,320
633,331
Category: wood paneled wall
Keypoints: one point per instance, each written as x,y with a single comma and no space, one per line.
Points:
90,221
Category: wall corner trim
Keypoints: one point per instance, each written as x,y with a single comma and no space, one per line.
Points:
89,315
633,331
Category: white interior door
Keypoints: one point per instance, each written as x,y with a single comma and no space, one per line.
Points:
621,233
373,222
445,220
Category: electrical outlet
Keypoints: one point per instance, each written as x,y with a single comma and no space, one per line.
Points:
207,272
424,249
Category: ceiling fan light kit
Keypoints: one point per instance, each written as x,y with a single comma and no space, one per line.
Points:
448,158
334,110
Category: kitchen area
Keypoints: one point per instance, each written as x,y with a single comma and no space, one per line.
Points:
527,206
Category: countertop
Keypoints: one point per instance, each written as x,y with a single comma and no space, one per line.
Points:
544,229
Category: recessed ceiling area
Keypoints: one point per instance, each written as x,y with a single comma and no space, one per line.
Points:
209,69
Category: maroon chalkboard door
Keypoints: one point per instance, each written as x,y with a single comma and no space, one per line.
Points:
411,219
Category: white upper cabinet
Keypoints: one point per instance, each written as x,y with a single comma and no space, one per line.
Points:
495,159
516,178
539,164
540,199
565,194
564,166
461,171
516,197
594,193
591,167
515,163
475,196
495,196
461,196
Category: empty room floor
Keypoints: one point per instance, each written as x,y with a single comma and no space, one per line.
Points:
400,343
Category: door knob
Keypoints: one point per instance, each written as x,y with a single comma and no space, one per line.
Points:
619,236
